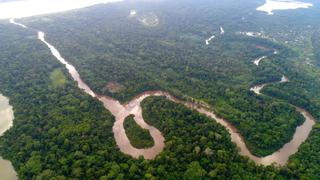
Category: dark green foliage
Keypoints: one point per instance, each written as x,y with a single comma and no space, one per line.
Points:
62,133
139,137
307,160
198,145
316,46
59,132
106,46
57,78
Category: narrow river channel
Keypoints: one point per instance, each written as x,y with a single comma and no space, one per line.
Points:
121,111
133,107
301,134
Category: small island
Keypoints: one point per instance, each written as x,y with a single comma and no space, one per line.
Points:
139,137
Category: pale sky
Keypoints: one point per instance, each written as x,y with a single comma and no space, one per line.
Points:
27,8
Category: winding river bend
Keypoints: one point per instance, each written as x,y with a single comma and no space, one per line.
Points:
7,171
301,134
121,111
118,110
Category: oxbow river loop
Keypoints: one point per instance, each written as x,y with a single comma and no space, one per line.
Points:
121,111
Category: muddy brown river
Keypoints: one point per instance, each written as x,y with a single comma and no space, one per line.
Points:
7,171
301,134
121,111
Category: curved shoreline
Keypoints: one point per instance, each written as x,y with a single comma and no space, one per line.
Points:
301,133
120,112
6,122
133,107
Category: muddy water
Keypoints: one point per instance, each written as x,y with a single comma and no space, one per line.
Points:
133,107
257,89
257,61
279,157
7,171
209,39
119,111
72,70
301,134
221,30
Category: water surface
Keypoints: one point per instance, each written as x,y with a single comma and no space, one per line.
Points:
272,5
302,132
121,111
118,110
209,39
7,171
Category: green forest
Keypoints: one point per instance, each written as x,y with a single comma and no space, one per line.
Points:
60,132
139,137
169,57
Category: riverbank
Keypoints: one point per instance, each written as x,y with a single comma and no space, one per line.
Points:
7,171
133,107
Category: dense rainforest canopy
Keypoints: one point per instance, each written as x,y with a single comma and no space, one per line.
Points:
139,137
64,133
